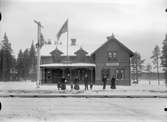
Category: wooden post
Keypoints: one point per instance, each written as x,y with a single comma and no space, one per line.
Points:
91,75
38,52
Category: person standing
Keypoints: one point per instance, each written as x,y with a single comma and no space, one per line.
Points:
59,84
63,83
104,80
91,85
76,83
0,105
113,85
69,80
86,81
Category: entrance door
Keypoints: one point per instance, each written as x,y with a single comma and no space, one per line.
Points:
56,75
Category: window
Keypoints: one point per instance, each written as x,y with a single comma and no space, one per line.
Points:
120,74
109,56
48,75
112,55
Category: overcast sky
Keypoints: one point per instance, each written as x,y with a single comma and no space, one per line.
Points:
139,24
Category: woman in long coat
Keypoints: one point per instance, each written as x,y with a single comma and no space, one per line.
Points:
63,83
104,80
76,83
86,81
113,84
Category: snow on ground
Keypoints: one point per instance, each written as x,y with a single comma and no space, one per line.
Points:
29,87
83,110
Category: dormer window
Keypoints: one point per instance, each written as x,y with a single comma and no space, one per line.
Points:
56,55
81,54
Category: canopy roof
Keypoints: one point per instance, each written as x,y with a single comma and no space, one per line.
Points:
52,65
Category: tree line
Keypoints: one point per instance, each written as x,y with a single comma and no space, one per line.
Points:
159,59
22,67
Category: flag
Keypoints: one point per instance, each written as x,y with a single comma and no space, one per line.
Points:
73,42
63,29
41,41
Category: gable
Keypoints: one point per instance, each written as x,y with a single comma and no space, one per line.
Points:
81,52
113,44
56,52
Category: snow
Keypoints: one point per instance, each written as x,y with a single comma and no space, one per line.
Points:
46,49
68,64
83,110
28,87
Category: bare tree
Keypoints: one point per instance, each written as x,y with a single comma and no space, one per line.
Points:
137,66
155,60
164,57
148,69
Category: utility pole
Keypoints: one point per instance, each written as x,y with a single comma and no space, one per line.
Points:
38,51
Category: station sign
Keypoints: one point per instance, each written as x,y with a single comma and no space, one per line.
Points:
112,64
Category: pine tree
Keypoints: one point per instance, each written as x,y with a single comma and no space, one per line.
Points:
32,56
148,69
6,59
1,62
20,65
26,63
164,57
155,60
137,66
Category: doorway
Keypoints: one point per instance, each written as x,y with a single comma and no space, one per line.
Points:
56,75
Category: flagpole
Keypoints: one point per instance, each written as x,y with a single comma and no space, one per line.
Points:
38,52
67,41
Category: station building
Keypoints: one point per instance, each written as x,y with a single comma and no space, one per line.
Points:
111,58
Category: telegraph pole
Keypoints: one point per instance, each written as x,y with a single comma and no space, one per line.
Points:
38,51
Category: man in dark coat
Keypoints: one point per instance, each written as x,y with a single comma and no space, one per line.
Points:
59,84
76,83
113,86
0,105
69,80
63,83
104,80
86,81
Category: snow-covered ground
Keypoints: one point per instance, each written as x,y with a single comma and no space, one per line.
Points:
30,88
83,110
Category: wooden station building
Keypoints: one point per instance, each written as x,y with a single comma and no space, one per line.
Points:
111,58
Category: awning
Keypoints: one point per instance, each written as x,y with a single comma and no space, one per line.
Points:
54,65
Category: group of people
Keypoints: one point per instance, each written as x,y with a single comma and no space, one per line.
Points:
61,85
75,83
112,84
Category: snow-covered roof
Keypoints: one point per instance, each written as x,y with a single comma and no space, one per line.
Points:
68,65
47,49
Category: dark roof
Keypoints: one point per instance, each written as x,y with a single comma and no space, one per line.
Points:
56,51
112,38
81,51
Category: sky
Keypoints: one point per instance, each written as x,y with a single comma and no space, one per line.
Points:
138,24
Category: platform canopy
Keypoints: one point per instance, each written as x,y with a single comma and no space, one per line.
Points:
61,65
